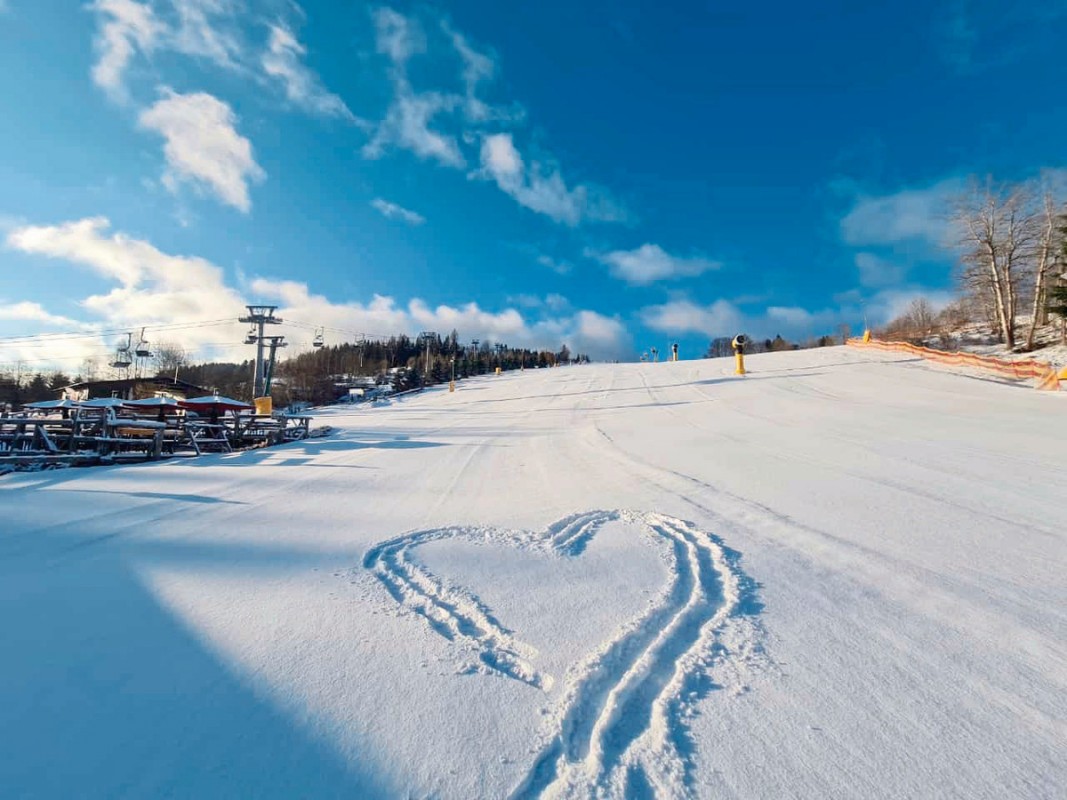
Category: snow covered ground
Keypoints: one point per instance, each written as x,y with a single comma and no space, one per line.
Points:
844,575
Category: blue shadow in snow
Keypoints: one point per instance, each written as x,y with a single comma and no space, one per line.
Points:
104,693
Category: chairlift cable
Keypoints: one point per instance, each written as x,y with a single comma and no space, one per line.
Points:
65,335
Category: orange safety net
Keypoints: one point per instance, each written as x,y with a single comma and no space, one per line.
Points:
1042,372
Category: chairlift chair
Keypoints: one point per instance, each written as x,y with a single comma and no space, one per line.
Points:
122,355
318,340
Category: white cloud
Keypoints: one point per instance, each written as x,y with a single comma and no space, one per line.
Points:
200,28
394,211
500,157
150,287
203,147
540,188
526,300
800,320
723,318
407,121
427,123
584,331
124,27
397,36
551,301
557,266
284,62
26,311
145,285
875,271
407,125
598,334
478,68
911,215
207,29
556,302
650,263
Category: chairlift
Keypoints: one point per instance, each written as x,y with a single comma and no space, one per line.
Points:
122,355
250,337
142,350
318,340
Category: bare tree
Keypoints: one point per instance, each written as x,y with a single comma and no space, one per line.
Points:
915,324
921,315
1000,231
169,357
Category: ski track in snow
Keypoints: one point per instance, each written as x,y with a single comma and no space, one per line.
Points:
617,730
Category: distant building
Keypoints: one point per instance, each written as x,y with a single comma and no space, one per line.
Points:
132,389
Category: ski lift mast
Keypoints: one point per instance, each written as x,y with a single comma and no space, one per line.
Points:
259,317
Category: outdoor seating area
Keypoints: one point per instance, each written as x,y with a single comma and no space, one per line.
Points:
108,430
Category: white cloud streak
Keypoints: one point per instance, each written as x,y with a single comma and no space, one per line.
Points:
556,265
911,215
203,147
125,26
397,37
723,318
394,211
540,188
407,126
409,117
26,311
425,123
650,263
875,271
284,61
478,68
207,29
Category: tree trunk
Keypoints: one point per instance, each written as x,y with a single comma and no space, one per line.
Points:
1036,313
1007,334
1048,239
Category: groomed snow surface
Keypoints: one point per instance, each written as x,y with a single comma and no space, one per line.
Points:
844,575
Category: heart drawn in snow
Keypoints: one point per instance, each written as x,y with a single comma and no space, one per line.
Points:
617,730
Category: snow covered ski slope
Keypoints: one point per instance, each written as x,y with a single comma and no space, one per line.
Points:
844,575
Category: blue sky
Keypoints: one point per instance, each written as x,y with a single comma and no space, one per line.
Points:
613,175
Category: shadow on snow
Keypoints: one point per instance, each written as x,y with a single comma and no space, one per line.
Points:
104,692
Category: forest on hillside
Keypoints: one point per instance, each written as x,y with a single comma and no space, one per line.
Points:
321,375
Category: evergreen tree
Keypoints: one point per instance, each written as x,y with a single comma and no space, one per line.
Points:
1057,304
37,390
58,381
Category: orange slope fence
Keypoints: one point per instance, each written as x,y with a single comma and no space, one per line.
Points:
1043,373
